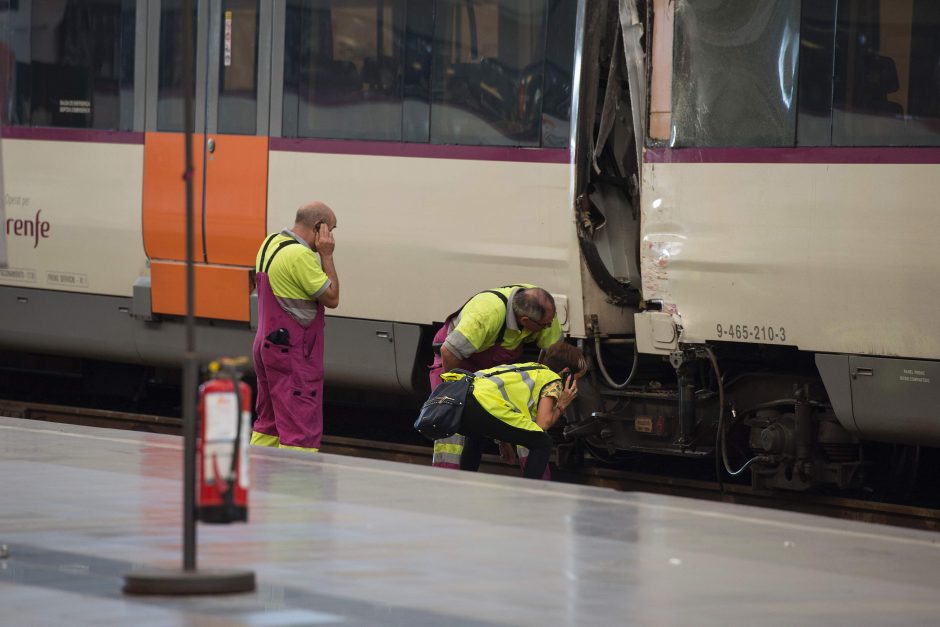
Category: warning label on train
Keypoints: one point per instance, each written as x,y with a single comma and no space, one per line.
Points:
73,279
74,106
24,275
911,375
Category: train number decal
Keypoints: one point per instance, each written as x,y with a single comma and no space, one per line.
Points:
751,332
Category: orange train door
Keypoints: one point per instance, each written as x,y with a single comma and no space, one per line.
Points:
230,152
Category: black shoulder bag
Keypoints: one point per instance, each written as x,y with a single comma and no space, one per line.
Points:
441,413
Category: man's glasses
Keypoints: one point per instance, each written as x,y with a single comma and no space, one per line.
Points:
542,325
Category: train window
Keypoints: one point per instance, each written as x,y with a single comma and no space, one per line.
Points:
238,78
10,72
734,79
817,46
170,73
488,72
69,64
419,40
342,69
887,73
443,71
559,64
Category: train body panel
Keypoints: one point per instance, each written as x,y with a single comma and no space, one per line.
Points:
827,257
413,246
363,354
73,215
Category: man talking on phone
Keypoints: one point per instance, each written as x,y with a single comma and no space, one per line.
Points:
296,279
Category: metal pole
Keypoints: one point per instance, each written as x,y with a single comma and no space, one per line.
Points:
189,358
189,581
5,71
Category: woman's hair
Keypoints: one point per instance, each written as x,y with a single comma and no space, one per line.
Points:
561,355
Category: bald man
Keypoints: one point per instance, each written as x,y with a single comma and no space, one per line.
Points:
296,279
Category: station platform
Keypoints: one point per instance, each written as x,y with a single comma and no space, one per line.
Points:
346,541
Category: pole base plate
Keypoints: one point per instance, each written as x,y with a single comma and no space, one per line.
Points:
188,582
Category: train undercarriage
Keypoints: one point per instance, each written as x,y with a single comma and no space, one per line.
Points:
763,414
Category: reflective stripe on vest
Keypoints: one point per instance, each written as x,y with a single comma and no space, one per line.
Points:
448,450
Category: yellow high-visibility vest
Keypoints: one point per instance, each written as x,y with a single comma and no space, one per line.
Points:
511,393
486,320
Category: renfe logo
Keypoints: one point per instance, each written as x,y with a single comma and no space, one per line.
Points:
30,227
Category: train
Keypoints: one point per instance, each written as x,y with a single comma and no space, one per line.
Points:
733,203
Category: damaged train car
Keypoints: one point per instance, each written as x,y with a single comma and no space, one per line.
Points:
756,186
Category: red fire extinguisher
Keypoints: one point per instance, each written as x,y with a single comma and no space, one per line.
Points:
222,446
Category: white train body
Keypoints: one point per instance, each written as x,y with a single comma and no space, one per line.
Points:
416,224
412,243
412,240
827,257
72,198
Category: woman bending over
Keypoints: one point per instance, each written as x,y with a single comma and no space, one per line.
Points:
518,403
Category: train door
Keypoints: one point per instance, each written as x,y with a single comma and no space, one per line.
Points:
230,148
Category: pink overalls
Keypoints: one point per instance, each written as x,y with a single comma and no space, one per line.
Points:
447,451
290,375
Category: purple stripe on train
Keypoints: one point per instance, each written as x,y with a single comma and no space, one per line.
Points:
839,155
72,135
418,150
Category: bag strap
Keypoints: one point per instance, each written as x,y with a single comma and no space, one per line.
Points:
264,251
474,375
515,369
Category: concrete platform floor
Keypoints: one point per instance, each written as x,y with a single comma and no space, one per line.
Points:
336,540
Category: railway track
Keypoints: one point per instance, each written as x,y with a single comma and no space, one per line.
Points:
831,506
149,423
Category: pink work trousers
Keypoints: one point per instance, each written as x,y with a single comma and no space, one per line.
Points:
290,377
493,356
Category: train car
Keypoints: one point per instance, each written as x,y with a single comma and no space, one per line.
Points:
732,202
438,131
770,169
